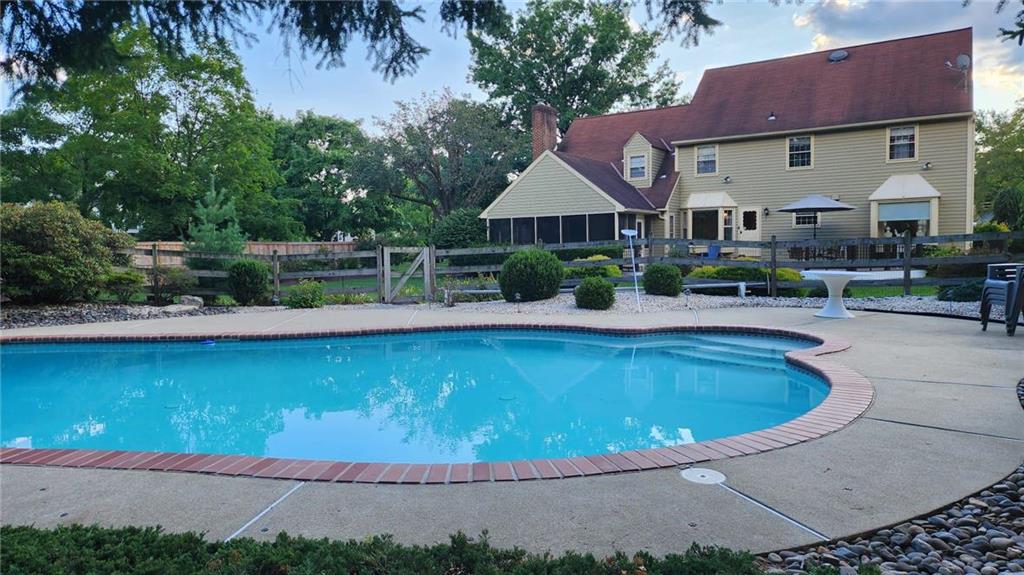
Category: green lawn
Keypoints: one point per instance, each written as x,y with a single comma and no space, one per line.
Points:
891,291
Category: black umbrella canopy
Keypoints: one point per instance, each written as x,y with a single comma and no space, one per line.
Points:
815,204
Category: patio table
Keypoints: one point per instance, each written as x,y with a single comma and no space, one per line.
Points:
835,281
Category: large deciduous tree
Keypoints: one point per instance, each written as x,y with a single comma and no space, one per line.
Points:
137,146
443,152
316,156
583,58
1000,161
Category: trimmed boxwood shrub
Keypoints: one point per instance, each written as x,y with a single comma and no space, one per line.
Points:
607,271
247,281
663,279
533,274
308,294
595,293
51,254
969,291
124,285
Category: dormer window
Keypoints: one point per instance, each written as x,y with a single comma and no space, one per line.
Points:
637,167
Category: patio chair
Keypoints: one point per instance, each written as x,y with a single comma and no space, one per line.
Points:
714,252
1004,285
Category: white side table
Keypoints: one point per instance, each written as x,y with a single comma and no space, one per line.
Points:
835,281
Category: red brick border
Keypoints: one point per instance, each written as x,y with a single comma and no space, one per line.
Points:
849,396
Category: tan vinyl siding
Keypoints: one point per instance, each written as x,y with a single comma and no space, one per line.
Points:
549,189
850,164
657,158
637,146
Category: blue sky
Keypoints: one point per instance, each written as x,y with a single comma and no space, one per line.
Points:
750,31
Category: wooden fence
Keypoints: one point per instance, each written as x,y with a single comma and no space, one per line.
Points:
387,271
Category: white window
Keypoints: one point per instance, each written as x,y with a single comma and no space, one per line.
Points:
671,226
806,220
903,143
637,166
707,159
799,152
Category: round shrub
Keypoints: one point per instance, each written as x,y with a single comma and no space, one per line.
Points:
594,293
607,271
969,291
247,281
533,274
308,294
663,279
124,285
51,254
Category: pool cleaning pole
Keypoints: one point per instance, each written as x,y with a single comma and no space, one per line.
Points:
632,254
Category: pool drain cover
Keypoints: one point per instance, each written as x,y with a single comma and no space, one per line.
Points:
702,475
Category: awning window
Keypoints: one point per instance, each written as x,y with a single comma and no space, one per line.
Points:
904,211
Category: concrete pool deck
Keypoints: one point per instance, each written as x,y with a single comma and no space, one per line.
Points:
945,422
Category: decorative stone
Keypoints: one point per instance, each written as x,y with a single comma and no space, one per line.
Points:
191,300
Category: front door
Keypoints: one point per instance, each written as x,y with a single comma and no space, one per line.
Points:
749,229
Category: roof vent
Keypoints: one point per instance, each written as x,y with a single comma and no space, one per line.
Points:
838,56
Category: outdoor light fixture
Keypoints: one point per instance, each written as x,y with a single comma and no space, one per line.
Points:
771,116
927,166
766,212
630,234
727,179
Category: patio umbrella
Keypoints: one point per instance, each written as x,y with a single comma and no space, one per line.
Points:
816,204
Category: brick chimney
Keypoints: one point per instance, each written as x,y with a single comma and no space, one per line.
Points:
544,124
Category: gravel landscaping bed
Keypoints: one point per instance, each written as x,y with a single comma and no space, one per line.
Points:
35,316
564,304
979,535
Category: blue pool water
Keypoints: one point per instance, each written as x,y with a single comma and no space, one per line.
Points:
415,398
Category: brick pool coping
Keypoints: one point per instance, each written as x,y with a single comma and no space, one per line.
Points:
849,396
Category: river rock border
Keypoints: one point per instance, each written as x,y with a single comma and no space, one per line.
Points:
849,396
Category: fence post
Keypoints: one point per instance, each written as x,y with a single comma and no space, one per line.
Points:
429,273
155,272
277,276
907,248
381,294
774,278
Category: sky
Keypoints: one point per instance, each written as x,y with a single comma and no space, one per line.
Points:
750,31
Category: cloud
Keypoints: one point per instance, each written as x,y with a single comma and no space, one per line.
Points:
998,66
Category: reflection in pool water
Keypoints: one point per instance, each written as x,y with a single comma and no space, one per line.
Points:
414,398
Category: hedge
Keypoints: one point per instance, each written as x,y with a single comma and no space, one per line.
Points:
78,549
748,274
605,271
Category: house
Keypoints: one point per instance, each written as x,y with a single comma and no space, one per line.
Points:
887,127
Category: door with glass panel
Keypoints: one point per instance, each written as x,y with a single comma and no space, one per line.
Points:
748,229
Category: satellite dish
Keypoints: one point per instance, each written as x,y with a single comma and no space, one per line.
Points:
838,56
963,62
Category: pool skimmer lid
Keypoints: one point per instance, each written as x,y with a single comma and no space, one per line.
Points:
702,475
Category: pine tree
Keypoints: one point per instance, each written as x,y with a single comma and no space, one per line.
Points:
215,228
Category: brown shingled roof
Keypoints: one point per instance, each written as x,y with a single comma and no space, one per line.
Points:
903,78
890,80
608,179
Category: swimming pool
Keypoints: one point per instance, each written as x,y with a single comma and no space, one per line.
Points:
427,397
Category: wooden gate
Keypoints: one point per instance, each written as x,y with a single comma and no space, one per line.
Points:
390,290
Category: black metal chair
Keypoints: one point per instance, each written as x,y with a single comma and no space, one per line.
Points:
1004,286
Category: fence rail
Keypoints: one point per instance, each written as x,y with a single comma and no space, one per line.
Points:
385,270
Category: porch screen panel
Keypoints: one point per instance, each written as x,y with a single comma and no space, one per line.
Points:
547,230
574,229
522,231
499,231
602,227
906,211
705,224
